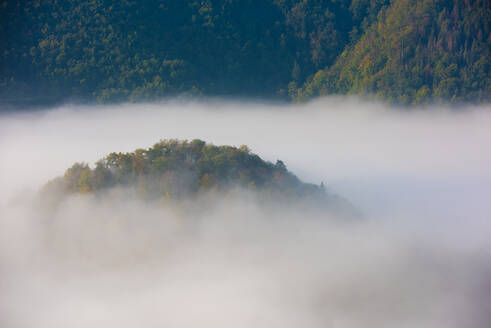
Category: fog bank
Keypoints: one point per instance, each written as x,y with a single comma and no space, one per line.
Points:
420,258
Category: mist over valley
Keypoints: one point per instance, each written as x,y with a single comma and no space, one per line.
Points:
419,256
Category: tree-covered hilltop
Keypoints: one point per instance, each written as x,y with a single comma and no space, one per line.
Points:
181,170
407,51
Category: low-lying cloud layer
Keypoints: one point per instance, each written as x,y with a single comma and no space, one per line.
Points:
420,257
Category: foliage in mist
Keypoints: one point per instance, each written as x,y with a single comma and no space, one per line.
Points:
178,170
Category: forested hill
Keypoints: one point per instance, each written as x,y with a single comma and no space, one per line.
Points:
407,51
182,170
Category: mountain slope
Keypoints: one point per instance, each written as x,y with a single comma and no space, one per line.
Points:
403,51
414,52
131,50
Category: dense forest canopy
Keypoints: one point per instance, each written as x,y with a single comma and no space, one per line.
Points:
181,170
416,51
406,51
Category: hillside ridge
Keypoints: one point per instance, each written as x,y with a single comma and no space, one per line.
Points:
98,51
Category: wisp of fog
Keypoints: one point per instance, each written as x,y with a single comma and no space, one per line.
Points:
419,257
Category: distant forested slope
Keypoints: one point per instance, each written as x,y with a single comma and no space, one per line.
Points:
417,50
128,50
